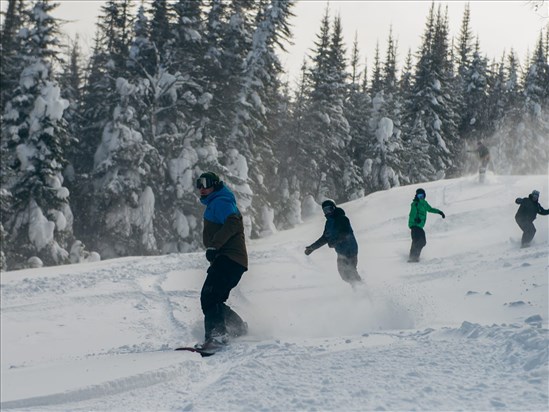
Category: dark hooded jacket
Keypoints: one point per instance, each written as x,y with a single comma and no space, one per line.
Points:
338,234
528,209
223,226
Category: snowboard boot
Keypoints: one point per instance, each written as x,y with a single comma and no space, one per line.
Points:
213,344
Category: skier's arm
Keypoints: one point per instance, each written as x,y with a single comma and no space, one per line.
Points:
319,243
435,210
542,211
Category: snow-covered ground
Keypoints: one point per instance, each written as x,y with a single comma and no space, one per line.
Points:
464,329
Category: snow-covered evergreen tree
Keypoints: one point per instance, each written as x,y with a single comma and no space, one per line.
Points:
251,132
35,138
377,82
463,56
358,112
325,148
10,45
288,147
474,116
108,62
431,114
125,174
526,142
383,153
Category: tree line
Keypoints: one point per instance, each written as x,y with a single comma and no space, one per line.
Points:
101,153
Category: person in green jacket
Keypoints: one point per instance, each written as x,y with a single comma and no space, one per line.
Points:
416,222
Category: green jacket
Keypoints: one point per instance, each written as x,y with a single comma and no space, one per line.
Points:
418,213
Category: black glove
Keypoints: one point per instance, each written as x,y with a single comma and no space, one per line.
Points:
417,220
211,254
308,250
443,215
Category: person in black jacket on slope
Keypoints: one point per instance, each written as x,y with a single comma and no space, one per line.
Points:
338,234
526,214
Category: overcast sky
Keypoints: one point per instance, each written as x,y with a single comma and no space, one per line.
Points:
500,25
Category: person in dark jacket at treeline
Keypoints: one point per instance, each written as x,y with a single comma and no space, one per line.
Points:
526,214
338,234
224,239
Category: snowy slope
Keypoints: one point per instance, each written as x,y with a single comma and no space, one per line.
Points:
464,329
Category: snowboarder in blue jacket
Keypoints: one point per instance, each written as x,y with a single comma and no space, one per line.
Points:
338,234
224,239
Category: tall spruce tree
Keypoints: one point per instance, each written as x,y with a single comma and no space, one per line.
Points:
463,56
358,112
384,150
10,44
36,138
431,114
532,144
108,62
474,115
326,140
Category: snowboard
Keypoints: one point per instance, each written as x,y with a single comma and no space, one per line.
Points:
204,352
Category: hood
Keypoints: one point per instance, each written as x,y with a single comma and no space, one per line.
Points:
222,192
337,212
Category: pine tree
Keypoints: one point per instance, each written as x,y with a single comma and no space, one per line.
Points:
35,139
10,44
376,82
358,112
125,174
532,144
289,148
107,63
252,132
325,150
475,122
384,149
433,107
535,81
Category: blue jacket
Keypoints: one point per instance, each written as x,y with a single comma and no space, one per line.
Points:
220,204
338,234
223,226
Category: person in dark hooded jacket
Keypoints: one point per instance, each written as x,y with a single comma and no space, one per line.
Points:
526,214
338,234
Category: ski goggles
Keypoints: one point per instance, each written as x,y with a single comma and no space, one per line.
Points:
420,196
328,209
204,183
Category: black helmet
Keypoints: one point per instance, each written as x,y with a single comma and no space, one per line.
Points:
328,206
420,193
207,180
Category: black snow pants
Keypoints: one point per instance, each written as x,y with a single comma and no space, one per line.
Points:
219,319
418,242
528,230
346,266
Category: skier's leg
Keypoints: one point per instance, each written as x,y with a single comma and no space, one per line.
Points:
528,231
418,242
346,266
528,235
223,275
233,322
